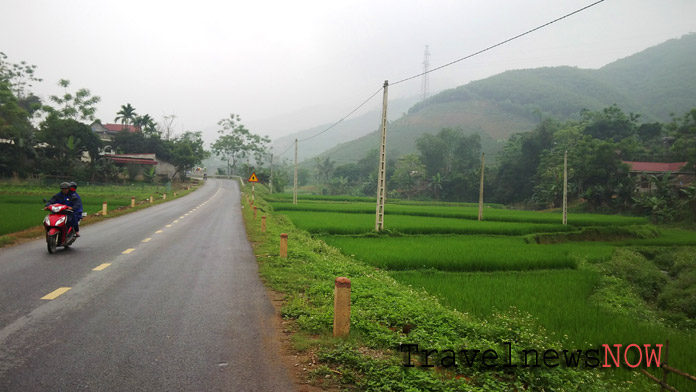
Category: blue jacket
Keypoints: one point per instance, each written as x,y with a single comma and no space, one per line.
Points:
71,199
77,204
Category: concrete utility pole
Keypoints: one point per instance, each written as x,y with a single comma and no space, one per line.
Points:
270,180
294,189
565,188
381,186
480,212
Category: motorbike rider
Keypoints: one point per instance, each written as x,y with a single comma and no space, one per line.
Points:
77,207
67,198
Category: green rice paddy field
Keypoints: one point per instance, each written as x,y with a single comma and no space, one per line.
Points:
484,267
559,300
23,205
464,253
346,223
463,211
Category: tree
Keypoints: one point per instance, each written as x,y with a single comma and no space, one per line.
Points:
409,176
517,167
147,125
236,142
594,165
19,76
684,132
65,141
187,152
611,124
79,106
126,115
435,185
454,158
324,169
16,134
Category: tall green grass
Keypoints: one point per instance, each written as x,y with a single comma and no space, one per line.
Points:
463,253
343,223
462,212
559,300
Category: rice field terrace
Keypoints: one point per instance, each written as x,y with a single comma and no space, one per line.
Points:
567,277
559,300
466,211
343,223
287,198
461,253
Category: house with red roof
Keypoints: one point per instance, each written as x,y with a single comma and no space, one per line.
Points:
680,176
107,132
162,168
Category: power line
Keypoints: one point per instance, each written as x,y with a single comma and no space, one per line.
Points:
344,117
334,124
498,44
286,150
444,66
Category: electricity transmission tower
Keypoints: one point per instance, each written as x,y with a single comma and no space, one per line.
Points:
425,87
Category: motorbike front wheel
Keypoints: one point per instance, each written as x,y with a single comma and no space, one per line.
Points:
52,243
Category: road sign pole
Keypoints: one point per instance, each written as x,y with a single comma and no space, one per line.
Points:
252,192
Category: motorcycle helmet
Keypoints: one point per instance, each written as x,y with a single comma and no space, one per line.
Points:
73,186
64,185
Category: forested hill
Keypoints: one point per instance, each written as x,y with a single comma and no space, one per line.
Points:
661,78
654,83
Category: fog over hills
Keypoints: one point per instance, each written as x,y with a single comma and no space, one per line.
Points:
345,131
654,83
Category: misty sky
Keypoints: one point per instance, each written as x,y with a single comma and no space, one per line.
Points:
289,65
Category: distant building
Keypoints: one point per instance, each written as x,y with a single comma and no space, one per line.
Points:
107,132
162,168
679,177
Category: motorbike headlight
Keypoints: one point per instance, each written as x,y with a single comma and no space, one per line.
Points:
55,209
60,221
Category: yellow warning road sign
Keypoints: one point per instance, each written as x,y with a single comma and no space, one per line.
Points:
253,178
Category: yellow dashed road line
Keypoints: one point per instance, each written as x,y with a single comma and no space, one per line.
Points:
56,293
101,267
62,290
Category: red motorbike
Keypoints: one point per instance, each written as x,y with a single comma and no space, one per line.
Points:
59,232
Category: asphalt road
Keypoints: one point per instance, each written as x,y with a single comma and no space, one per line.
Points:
180,307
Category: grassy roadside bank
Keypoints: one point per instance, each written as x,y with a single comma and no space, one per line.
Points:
119,206
385,314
